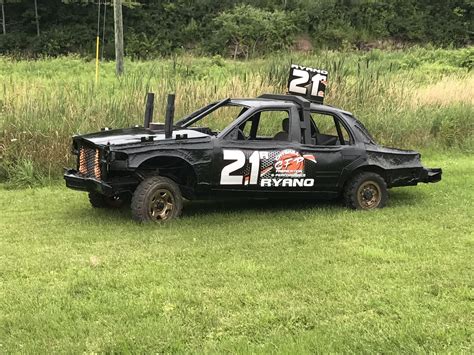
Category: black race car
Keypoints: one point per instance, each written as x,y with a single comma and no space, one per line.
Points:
271,146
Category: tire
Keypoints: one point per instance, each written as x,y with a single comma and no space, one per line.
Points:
366,191
101,201
157,199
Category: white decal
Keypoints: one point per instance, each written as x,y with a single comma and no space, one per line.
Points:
301,78
317,71
287,182
289,163
266,183
307,81
254,161
316,79
239,157
285,168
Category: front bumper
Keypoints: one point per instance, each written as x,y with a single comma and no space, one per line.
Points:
431,175
76,181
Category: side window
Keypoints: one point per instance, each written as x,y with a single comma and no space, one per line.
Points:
266,125
273,124
247,127
324,130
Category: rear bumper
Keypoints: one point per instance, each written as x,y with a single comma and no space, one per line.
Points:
431,175
76,181
412,177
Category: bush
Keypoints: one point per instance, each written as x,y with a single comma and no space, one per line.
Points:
249,31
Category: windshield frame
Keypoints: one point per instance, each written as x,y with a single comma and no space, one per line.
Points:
203,112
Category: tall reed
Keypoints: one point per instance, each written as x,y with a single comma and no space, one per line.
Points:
43,103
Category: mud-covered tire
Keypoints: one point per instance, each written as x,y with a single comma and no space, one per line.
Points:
101,201
366,191
157,199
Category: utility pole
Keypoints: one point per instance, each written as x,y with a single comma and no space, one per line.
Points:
37,19
118,27
103,31
3,17
97,45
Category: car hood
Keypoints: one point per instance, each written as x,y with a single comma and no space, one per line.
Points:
135,135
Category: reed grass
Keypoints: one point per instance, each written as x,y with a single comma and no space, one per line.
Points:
398,95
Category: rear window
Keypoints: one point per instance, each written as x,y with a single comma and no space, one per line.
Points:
361,128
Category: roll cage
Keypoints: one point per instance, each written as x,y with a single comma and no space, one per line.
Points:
302,128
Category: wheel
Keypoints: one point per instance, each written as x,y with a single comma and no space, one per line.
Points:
366,191
101,201
157,199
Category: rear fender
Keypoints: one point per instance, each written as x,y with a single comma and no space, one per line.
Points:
364,168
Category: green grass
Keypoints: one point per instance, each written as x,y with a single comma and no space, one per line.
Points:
241,276
416,98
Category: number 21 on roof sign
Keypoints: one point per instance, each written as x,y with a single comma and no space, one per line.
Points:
308,82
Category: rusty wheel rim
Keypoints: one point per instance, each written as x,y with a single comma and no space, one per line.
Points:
161,205
369,195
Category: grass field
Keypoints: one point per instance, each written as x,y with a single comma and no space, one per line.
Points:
237,276
241,276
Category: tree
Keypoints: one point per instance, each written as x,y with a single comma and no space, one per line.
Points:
162,27
3,17
246,27
118,29
4,23
37,19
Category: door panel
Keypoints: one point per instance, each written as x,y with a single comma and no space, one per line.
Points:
328,167
262,166
331,156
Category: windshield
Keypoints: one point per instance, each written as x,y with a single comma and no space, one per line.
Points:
213,118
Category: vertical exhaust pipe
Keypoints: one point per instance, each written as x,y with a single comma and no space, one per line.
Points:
150,103
169,116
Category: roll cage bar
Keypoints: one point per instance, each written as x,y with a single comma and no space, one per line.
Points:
197,115
305,118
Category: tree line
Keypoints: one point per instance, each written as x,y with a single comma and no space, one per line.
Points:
239,29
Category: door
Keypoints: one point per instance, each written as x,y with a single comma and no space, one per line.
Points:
332,148
262,154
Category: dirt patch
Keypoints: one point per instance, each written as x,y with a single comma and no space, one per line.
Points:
303,44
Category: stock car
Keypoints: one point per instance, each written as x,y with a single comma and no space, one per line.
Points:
270,146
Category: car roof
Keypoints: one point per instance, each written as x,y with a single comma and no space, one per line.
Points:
267,103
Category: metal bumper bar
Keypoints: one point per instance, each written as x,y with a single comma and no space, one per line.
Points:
431,175
76,181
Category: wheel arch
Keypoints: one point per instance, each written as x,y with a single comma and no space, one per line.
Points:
172,166
364,168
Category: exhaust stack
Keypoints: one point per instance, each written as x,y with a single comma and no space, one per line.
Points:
169,116
150,103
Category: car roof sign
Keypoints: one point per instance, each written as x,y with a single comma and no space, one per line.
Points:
308,82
